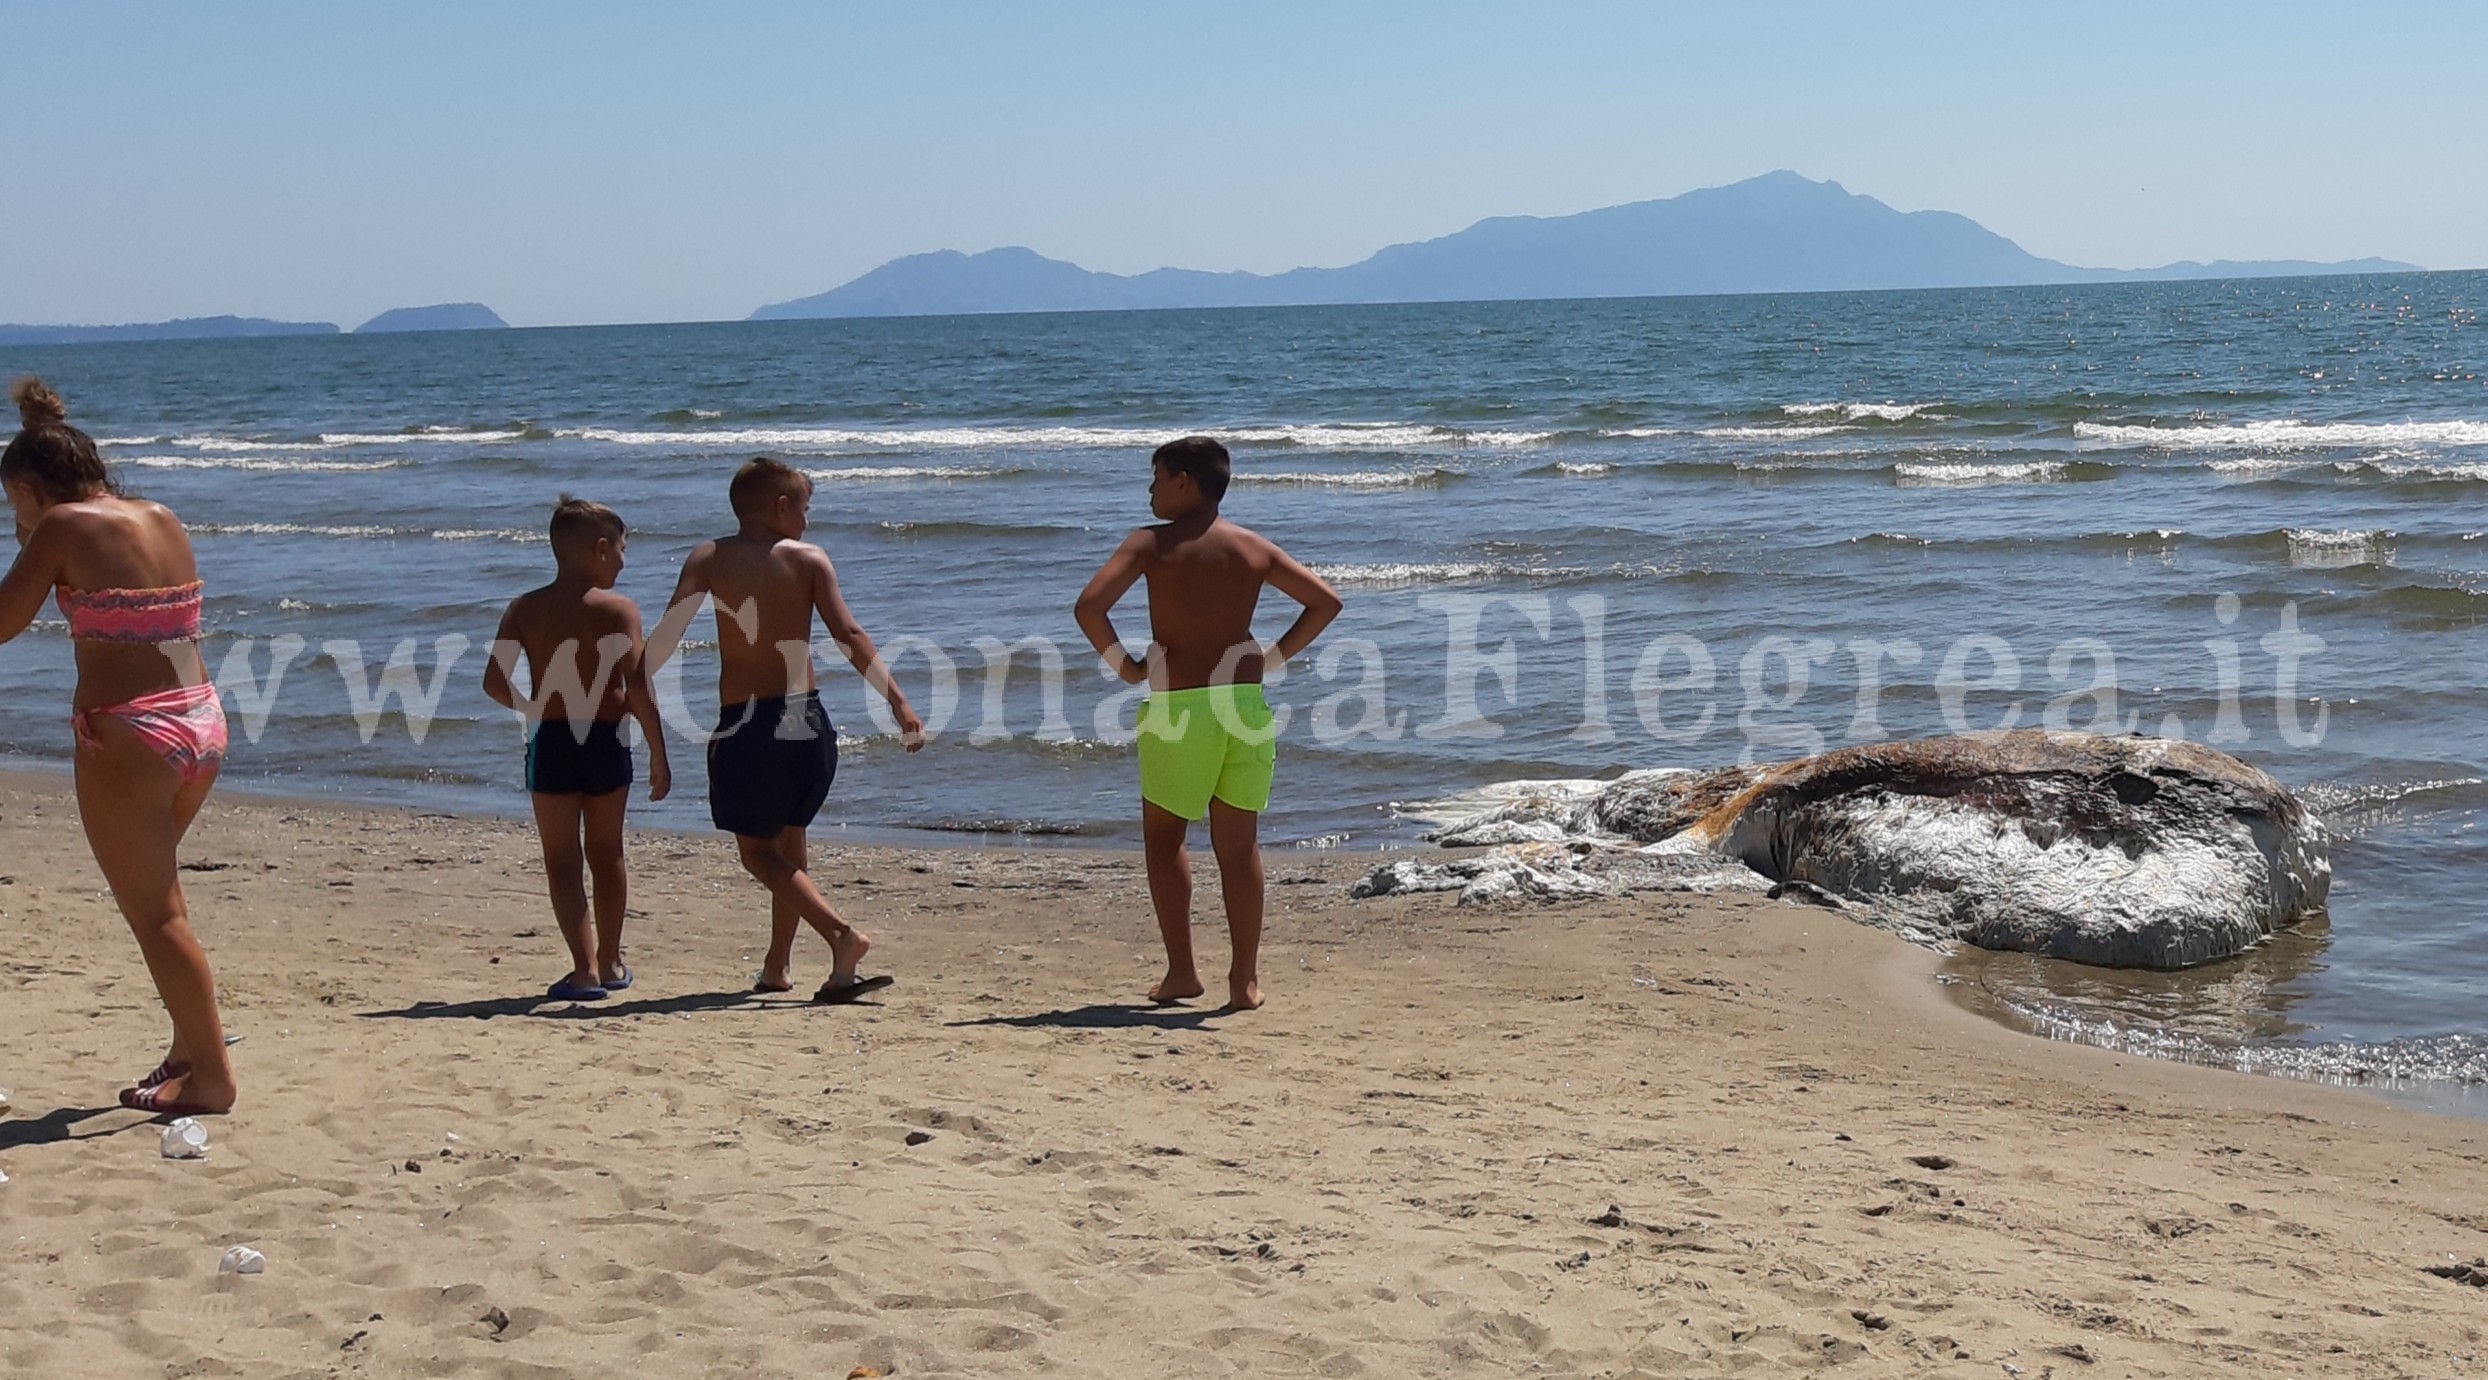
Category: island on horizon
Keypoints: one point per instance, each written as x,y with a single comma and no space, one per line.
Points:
1779,232
185,328
447,316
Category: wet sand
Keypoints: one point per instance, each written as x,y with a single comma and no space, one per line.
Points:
1649,1137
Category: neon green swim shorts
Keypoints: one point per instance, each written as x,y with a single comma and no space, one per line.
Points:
1214,741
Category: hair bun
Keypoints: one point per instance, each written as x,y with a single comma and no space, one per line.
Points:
37,405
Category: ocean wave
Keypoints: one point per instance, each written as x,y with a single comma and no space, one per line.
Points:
1024,828
492,435
1574,469
1760,433
2313,549
2257,466
511,534
1369,436
257,462
873,472
1353,479
2357,808
981,530
287,529
1916,474
2284,434
1390,574
1305,436
2461,1060
2116,543
1857,412
330,440
2414,471
2433,608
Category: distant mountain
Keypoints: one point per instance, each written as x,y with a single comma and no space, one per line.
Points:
448,316
188,328
1776,233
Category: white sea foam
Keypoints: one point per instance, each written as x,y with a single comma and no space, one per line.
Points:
287,529
511,534
872,472
1592,470
256,462
428,433
2285,434
2256,466
2412,469
1770,433
2316,549
1508,440
1857,412
1968,476
1401,573
1352,479
831,440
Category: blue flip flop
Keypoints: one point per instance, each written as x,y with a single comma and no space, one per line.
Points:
566,990
623,983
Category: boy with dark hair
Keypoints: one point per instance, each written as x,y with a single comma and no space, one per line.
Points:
775,752
578,765
1206,738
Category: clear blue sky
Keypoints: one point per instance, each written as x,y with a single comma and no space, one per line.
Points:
638,162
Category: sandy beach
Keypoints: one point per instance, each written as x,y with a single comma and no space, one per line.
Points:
1658,1137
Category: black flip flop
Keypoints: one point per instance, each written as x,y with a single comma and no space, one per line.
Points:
836,993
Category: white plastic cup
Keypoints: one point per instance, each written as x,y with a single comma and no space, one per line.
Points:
185,1139
242,1260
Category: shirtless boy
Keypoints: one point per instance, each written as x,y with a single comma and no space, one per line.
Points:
578,764
1206,740
775,752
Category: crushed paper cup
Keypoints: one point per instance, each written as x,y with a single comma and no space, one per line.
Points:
4,1176
185,1139
242,1260
4,1102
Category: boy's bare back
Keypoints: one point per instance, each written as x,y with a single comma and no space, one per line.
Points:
1204,584
564,635
766,592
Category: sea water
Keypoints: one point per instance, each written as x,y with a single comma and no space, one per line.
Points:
1574,538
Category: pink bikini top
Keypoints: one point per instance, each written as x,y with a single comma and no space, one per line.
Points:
142,616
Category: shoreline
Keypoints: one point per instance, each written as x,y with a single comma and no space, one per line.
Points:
1952,978
1669,1134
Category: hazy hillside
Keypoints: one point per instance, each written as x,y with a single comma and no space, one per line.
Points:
1775,233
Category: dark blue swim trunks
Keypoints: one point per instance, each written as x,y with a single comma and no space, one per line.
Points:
565,758
770,765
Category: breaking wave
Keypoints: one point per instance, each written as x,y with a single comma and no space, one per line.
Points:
2284,434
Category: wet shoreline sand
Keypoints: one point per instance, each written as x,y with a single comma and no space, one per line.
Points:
1406,1164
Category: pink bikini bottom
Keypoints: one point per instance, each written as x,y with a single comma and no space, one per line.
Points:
185,727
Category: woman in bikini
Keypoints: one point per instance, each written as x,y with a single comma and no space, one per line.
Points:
150,731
